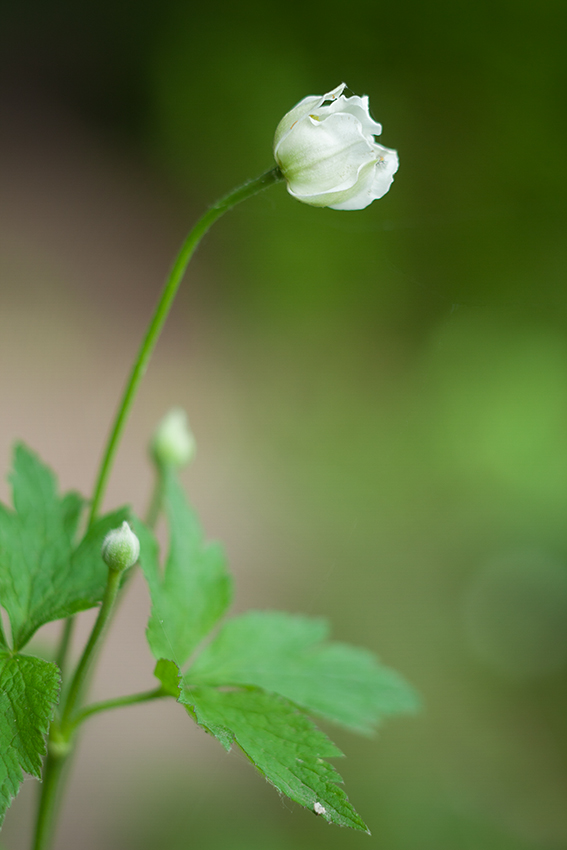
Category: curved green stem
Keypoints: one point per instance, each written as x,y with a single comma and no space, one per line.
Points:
118,702
73,695
159,317
66,637
55,761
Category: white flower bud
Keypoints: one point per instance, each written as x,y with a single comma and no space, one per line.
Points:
120,548
326,151
173,444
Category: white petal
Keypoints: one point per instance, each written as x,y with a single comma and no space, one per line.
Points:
373,185
288,122
324,156
357,106
385,170
334,93
343,195
309,104
362,199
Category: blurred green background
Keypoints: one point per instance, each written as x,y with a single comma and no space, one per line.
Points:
379,397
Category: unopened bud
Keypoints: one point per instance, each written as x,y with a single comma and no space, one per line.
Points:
120,548
173,444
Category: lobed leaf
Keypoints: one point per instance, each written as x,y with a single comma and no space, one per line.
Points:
254,682
279,739
193,591
42,576
285,654
281,742
29,691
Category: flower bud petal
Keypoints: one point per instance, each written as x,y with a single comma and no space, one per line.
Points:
120,548
173,444
326,151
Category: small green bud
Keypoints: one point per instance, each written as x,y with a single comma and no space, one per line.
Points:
173,444
120,548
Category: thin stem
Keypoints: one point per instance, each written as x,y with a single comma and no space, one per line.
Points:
61,744
56,757
52,770
82,670
118,702
66,636
159,317
154,507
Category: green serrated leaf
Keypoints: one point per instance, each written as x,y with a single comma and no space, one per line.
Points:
249,686
282,743
34,486
72,505
285,653
194,590
29,691
42,577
